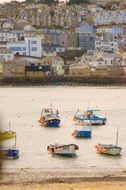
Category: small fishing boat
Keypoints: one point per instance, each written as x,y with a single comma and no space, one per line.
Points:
49,118
109,149
63,150
83,133
10,152
89,117
7,135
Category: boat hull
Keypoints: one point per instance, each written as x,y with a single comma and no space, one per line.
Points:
81,134
112,150
91,121
53,123
10,153
68,151
7,135
100,121
50,123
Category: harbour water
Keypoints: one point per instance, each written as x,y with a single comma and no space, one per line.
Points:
22,107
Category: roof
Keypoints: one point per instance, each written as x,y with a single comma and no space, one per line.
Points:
99,59
123,55
29,28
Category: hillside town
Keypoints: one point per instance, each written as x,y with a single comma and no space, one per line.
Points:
40,41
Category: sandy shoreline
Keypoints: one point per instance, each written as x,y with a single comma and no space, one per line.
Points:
64,179
44,176
67,186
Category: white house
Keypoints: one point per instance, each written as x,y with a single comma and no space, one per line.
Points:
32,46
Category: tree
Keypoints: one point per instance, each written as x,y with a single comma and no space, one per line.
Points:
48,2
77,2
29,1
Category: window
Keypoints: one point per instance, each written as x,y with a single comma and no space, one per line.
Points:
18,34
15,48
33,49
34,42
24,48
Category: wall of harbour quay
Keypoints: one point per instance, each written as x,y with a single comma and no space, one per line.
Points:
65,80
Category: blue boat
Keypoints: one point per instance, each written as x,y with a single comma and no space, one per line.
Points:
89,117
49,118
83,133
11,153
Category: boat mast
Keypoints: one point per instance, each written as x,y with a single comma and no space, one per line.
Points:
9,125
15,140
117,138
51,106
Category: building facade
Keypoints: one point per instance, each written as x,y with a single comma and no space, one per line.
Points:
32,46
86,41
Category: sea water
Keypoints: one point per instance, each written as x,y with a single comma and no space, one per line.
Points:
21,106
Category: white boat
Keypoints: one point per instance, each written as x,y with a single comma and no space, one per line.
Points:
109,149
63,150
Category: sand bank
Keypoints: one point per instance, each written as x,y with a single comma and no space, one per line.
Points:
66,186
47,176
